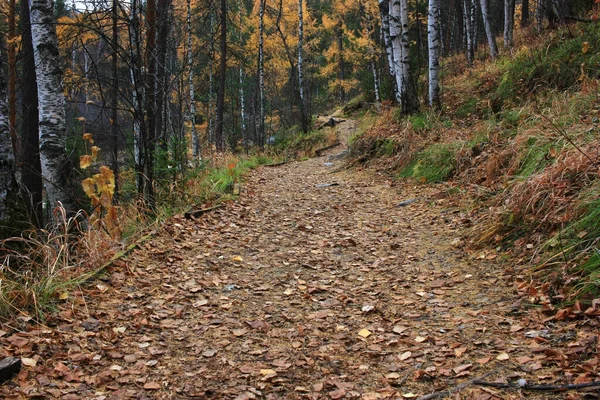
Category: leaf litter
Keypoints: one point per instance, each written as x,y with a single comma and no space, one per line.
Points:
297,292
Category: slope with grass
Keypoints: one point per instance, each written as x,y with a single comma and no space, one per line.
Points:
520,135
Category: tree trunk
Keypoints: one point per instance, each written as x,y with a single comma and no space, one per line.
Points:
149,136
56,166
12,78
408,90
303,117
211,86
137,92
114,124
30,168
396,40
488,28
524,13
387,42
8,184
219,139
433,40
341,61
162,73
509,22
469,31
261,74
196,154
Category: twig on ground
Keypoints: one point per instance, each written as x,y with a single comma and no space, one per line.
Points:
457,388
540,388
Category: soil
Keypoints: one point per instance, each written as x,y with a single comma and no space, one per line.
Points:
319,282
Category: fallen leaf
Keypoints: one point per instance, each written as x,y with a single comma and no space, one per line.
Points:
364,333
237,259
405,356
420,339
151,385
268,372
502,356
409,395
209,353
461,368
30,362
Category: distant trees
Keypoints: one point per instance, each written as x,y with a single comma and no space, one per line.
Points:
159,82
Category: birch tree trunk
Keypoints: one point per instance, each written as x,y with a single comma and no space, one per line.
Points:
8,184
433,41
396,40
303,117
137,90
114,124
469,31
408,91
219,138
56,167
192,109
509,22
149,136
12,77
261,73
488,28
211,86
384,13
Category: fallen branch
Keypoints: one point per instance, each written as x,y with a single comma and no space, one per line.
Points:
539,388
322,149
197,213
276,164
457,388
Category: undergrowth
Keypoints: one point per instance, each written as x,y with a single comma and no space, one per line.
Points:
522,135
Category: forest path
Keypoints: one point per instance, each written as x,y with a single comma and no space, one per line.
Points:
299,290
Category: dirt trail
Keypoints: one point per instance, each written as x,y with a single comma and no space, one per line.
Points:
299,290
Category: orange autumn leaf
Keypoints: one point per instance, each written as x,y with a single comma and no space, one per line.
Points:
85,161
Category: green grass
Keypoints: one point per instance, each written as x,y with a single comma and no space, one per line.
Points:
535,156
467,109
435,163
557,65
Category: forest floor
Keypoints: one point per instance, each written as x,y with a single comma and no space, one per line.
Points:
319,282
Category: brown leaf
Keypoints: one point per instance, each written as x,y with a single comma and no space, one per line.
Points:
461,368
337,394
152,386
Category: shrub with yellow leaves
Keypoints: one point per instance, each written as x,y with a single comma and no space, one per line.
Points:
100,188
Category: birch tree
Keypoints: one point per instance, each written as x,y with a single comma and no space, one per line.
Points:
468,11
509,22
55,163
488,28
408,91
8,185
396,45
433,41
190,65
31,169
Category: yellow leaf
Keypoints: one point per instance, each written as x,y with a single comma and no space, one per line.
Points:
30,362
109,177
409,395
364,333
237,259
585,47
81,119
63,296
95,150
502,356
85,161
88,186
267,371
120,329
88,137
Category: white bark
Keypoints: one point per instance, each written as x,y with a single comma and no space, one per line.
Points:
408,94
385,31
190,62
376,85
133,34
52,128
433,41
509,22
469,31
396,41
242,105
488,28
